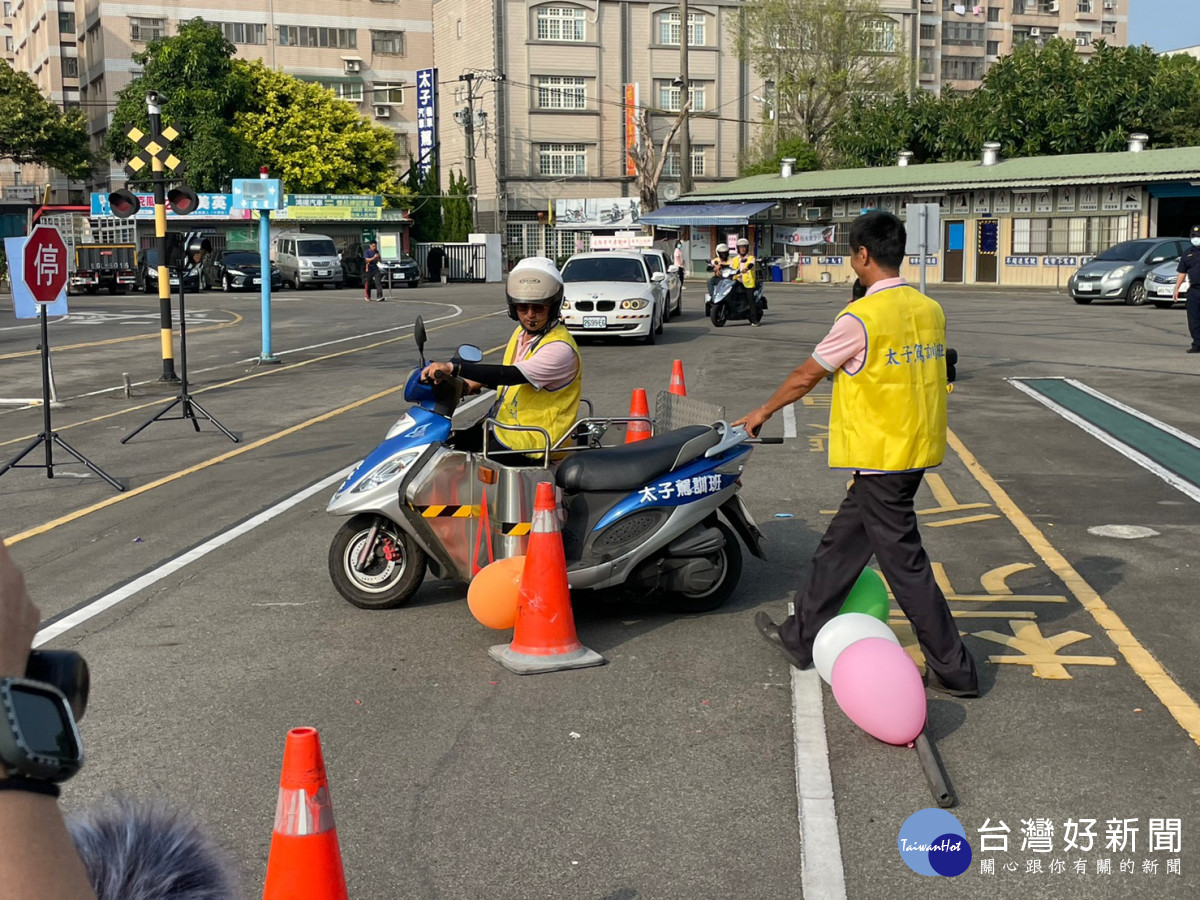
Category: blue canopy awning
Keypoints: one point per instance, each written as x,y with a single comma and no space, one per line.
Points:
705,213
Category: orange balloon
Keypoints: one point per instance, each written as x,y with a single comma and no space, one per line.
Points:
495,591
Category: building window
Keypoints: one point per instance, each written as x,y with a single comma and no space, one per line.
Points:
7,9
993,48
142,29
1083,6
388,93
928,32
969,34
668,29
66,22
1021,35
1078,234
387,43
243,32
926,60
993,14
312,36
881,35
670,97
561,92
671,166
962,68
350,91
8,43
562,159
1083,38
1108,28
70,67
560,23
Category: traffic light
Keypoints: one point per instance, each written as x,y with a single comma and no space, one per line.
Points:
123,203
183,200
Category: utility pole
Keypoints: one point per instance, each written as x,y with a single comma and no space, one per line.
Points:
685,93
469,130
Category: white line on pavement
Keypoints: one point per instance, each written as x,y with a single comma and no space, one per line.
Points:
789,421
821,874
111,599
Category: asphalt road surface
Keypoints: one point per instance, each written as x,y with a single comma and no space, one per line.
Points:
695,764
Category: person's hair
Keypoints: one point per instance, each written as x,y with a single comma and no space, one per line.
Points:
137,852
882,234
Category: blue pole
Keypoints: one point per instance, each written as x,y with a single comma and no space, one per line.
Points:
264,259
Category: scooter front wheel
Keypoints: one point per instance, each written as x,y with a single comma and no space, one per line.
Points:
718,315
394,569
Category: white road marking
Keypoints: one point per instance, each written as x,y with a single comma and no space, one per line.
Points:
821,873
789,421
1180,484
111,599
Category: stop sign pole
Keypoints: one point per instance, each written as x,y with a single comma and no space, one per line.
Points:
45,274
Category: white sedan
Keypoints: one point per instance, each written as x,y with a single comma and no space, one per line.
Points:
613,294
1160,285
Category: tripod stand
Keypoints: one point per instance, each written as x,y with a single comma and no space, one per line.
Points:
190,406
49,437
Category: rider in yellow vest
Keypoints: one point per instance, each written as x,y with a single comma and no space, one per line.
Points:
887,355
744,263
538,382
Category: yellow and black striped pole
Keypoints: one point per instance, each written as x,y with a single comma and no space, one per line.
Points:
160,235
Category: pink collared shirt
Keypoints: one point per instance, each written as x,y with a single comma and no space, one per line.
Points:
845,346
550,368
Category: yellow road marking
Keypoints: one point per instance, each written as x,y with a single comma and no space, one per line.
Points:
1177,701
259,374
1040,651
964,520
175,476
238,319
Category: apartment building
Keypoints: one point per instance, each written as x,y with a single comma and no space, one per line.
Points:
959,41
366,51
554,126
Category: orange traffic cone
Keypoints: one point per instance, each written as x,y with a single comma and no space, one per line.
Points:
305,860
638,431
677,384
544,639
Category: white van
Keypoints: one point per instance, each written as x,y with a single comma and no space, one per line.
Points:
305,258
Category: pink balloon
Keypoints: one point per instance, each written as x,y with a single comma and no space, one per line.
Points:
878,686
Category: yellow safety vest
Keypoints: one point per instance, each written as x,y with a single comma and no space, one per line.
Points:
523,404
890,415
746,277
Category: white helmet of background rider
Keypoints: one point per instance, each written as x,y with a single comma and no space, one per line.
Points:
535,279
722,250
742,242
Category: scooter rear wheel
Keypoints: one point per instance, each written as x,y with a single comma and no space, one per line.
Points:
394,570
729,564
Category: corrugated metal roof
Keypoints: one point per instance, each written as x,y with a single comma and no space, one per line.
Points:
1179,164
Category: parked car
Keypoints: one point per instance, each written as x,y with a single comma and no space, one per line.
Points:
237,270
673,284
1120,271
613,294
403,270
305,259
147,275
1160,285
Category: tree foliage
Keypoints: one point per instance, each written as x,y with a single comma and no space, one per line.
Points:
34,130
204,88
1040,101
456,209
805,154
820,55
315,142
648,159
426,210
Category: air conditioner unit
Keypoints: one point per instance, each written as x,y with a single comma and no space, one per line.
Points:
1035,32
815,213
1109,4
352,65
1053,5
1081,42
383,112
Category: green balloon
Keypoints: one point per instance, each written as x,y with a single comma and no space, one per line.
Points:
869,595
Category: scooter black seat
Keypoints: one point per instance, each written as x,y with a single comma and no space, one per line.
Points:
630,466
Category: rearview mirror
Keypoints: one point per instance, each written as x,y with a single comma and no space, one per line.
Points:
657,276
470,353
419,336
674,270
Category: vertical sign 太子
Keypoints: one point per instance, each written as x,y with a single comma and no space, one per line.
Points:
631,135
426,119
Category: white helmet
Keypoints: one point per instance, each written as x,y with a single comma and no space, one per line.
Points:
722,248
742,242
534,279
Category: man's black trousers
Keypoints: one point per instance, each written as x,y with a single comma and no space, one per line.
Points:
877,517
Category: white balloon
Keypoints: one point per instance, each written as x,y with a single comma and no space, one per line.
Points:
839,633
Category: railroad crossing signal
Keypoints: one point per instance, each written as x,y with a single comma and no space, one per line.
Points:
153,148
45,258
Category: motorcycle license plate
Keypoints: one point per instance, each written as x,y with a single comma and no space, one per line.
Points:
597,322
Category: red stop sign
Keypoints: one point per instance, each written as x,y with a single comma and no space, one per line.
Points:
45,258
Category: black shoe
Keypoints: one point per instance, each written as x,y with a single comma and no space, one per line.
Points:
770,631
1193,350
936,684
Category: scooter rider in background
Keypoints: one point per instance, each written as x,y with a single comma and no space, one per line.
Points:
715,265
539,381
744,263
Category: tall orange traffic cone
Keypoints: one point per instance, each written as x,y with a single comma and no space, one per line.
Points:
544,639
305,860
677,384
638,431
